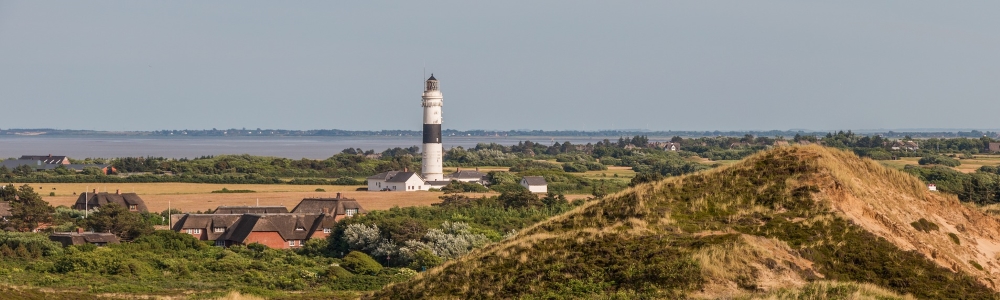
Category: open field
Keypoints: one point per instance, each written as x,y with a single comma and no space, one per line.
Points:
190,197
622,172
481,169
968,165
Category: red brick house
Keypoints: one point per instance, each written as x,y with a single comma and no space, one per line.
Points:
278,231
272,226
992,147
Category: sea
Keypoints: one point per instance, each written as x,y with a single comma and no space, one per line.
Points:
312,147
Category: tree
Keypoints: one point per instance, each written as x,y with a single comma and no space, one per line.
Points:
116,219
23,170
519,198
360,263
27,208
645,177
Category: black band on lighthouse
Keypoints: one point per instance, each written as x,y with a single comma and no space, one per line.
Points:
432,133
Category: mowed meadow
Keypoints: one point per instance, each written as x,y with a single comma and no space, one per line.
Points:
191,197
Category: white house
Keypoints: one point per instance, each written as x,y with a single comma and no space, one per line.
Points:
406,182
377,181
535,184
468,176
932,187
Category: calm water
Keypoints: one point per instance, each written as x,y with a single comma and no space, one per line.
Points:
190,147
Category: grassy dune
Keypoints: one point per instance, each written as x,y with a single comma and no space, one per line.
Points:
807,222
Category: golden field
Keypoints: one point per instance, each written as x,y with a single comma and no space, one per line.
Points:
191,197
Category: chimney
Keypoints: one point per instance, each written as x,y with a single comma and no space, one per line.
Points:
477,169
338,195
95,191
459,169
50,155
118,192
79,230
405,169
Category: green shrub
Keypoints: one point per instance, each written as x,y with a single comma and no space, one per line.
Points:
320,190
954,238
228,191
924,225
574,167
337,272
976,265
939,160
360,263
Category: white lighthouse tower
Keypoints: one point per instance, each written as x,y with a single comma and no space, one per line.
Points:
432,157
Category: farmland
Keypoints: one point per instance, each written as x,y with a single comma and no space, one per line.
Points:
191,197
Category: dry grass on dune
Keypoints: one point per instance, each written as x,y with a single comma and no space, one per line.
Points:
826,207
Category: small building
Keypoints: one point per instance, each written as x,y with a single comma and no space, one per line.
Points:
932,187
99,239
131,201
5,210
226,210
780,143
47,159
205,227
535,184
339,207
406,181
278,231
992,147
377,182
467,176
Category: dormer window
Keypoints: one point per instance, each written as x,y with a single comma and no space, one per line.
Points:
219,229
133,207
350,212
300,229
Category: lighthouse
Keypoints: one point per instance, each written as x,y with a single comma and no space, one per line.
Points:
432,157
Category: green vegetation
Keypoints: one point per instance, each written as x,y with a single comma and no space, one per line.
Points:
675,237
228,191
924,225
954,238
939,160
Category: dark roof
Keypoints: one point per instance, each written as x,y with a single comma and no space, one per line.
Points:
14,163
251,210
534,180
73,238
103,198
4,209
432,77
467,174
383,175
402,177
41,165
330,206
207,222
284,224
46,159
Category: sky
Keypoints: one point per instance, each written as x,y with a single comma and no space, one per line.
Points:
502,65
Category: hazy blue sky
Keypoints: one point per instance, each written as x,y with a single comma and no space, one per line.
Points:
696,65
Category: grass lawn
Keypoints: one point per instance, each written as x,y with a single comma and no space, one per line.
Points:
622,172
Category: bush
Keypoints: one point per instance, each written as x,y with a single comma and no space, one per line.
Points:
320,190
360,263
574,167
954,238
227,191
924,225
939,160
337,272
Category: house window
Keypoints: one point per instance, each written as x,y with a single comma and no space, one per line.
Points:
291,243
327,230
219,229
350,212
133,207
194,231
299,242
220,243
299,229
